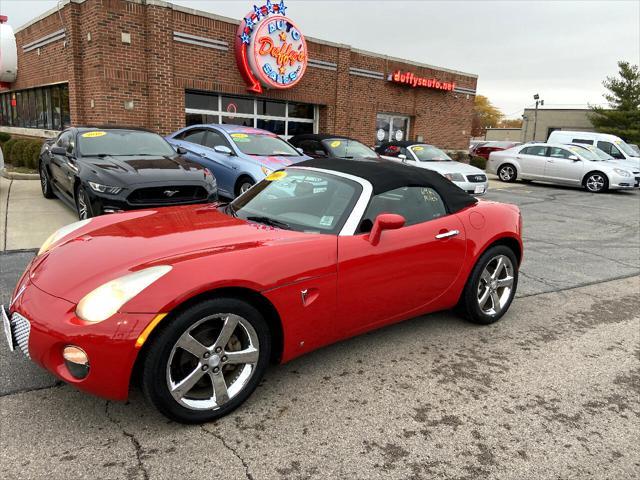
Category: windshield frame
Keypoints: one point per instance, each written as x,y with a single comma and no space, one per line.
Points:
80,141
236,144
352,220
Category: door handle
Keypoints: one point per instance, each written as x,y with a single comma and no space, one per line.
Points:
450,233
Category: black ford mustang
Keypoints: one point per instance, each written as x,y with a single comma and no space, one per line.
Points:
106,170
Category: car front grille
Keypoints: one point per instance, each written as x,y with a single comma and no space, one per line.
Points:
170,195
20,327
477,178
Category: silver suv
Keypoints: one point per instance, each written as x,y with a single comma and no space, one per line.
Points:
562,164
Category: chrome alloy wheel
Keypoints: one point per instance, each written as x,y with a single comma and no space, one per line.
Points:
595,182
507,173
495,285
245,186
212,361
83,209
44,181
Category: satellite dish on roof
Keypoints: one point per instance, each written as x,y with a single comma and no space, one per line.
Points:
8,53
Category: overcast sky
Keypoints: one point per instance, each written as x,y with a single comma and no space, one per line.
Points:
559,49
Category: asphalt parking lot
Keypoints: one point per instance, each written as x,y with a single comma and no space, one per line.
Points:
550,391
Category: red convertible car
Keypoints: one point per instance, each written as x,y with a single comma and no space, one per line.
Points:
195,301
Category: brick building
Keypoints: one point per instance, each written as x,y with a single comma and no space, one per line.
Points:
157,65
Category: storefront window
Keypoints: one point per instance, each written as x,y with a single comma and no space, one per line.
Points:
391,128
43,107
282,118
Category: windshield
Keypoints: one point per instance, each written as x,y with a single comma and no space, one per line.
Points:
123,143
625,148
263,144
345,148
429,153
585,153
298,199
601,154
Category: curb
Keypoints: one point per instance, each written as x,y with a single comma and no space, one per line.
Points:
19,176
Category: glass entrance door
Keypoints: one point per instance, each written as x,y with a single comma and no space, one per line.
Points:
390,127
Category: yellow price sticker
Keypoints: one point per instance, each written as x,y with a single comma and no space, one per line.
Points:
417,149
94,134
279,175
239,135
335,143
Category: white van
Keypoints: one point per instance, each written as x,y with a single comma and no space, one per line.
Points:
614,146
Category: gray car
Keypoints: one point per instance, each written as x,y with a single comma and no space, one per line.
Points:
562,164
469,178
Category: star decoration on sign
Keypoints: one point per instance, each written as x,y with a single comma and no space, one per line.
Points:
283,36
245,38
249,23
258,11
269,6
281,8
281,70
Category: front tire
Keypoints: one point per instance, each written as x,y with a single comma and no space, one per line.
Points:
596,182
83,204
45,182
206,361
491,286
507,173
243,184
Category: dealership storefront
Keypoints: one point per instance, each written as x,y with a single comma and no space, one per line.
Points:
161,66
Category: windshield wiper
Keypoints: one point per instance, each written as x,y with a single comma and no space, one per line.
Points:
271,222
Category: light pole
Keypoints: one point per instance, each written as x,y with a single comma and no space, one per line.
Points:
536,97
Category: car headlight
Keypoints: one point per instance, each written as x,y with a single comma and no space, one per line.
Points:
621,172
106,300
104,188
266,171
454,177
62,232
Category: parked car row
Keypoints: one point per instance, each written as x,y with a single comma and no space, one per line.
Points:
107,170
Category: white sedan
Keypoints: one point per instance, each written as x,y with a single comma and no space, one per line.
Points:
561,164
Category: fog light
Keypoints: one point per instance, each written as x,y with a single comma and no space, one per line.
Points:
76,361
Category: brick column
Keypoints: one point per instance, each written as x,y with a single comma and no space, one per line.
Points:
341,115
73,57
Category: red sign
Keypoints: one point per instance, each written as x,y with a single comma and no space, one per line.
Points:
270,49
414,81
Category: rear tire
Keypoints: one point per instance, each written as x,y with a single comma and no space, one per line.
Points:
45,182
596,182
507,173
491,286
229,347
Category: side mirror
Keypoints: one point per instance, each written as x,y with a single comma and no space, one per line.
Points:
300,151
59,151
385,221
182,150
223,149
574,158
320,153
402,157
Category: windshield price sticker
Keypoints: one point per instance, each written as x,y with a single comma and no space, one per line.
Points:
336,143
279,175
417,149
93,134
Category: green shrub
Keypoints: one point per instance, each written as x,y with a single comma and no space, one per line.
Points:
6,149
31,154
479,162
4,137
16,158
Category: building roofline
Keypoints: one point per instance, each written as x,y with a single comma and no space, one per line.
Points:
214,16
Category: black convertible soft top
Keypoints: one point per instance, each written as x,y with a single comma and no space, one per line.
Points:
385,175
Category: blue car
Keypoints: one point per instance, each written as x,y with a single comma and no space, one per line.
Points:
238,156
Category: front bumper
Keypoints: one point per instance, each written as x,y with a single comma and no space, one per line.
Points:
474,188
618,182
53,325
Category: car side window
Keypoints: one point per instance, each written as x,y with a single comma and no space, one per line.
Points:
194,136
611,149
538,150
214,139
312,147
65,140
557,152
415,204
580,140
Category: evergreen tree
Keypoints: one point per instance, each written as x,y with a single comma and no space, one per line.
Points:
623,117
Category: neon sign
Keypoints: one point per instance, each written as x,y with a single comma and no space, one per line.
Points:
270,49
414,81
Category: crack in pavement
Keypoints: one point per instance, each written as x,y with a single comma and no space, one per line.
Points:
232,450
58,384
134,441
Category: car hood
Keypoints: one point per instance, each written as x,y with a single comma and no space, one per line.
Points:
143,169
631,164
451,167
276,162
113,245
